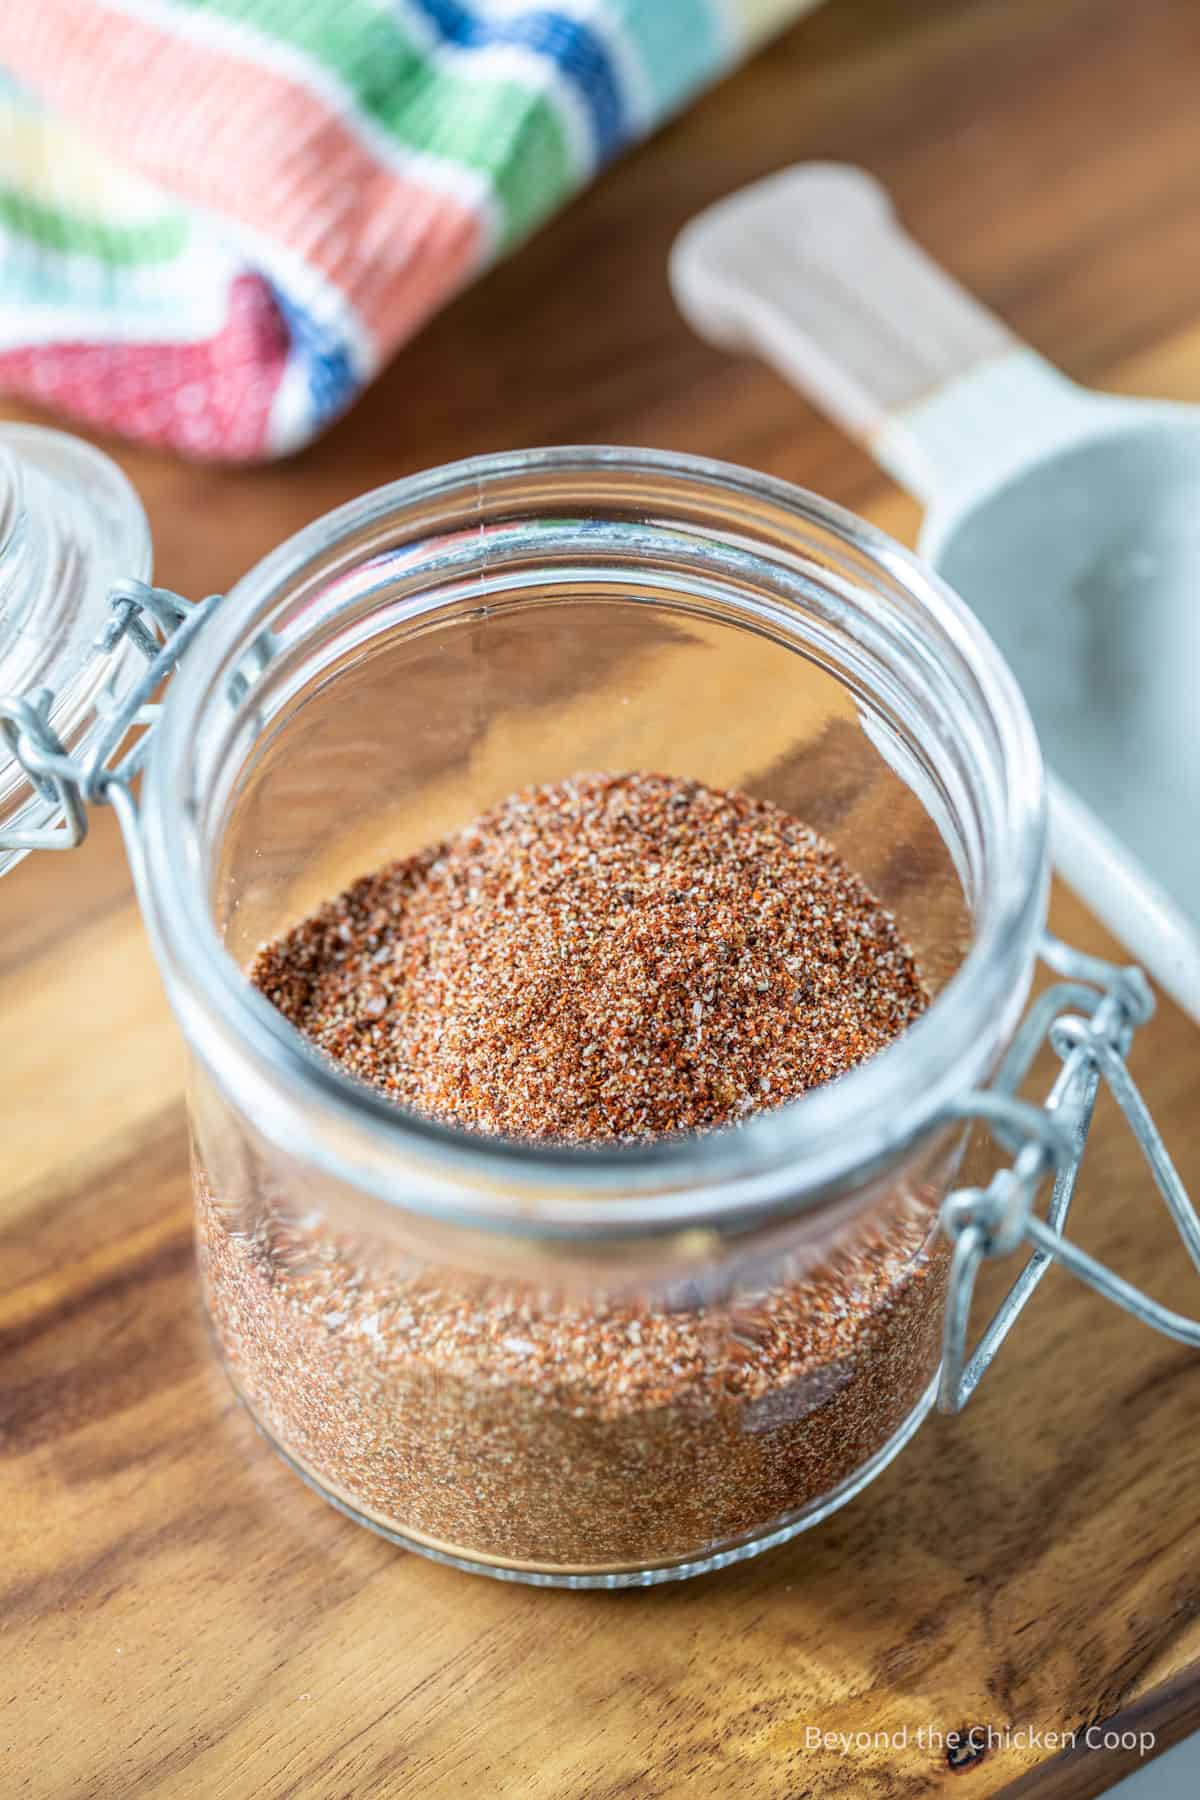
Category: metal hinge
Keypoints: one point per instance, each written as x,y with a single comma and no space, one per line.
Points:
1089,1018
161,625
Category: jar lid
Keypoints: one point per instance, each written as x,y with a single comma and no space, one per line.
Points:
70,526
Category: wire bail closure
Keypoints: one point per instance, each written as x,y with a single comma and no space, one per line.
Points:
161,624
1089,1018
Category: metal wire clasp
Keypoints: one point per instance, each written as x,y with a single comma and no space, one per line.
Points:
1089,1018
161,624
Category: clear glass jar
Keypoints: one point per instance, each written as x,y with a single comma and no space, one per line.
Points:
593,1367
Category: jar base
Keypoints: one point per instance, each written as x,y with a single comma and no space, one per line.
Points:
625,1575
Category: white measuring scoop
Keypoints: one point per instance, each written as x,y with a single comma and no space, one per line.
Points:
1068,520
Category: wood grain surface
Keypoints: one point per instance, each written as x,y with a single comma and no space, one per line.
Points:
181,1617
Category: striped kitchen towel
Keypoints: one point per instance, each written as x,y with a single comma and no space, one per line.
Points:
219,217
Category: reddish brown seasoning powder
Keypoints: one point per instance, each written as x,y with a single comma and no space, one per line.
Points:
610,958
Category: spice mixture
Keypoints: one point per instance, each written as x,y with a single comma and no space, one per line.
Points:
610,958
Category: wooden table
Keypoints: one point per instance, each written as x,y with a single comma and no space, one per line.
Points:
181,1616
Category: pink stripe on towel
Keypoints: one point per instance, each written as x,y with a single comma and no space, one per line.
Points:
314,180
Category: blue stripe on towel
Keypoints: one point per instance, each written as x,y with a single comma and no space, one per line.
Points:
574,48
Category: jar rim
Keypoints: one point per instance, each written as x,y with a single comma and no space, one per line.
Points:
790,1158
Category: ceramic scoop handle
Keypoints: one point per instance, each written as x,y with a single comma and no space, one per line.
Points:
811,269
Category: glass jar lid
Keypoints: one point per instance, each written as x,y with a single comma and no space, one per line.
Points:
70,526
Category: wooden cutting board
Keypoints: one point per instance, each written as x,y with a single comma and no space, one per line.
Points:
180,1616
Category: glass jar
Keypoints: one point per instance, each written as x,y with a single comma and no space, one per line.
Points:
592,1367
568,1363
